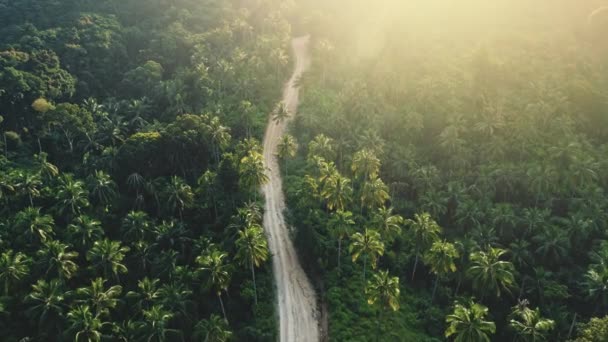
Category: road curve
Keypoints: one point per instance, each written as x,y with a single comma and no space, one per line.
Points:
296,297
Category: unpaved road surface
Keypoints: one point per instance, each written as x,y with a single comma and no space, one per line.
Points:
296,296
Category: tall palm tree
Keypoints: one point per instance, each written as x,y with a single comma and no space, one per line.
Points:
374,194
489,273
135,226
529,325
46,302
337,192
175,296
45,168
389,225
13,268
107,255
214,329
29,184
34,225
85,230
424,231
596,285
553,244
280,113
178,195
467,323
365,164
252,172
219,273
100,299
55,257
383,291
440,258
252,250
148,293
84,326
340,225
102,188
321,146
368,245
156,322
287,148
71,196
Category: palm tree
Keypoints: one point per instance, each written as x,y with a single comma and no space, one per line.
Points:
321,146
214,329
45,168
47,301
365,164
383,290
156,322
55,257
340,225
178,195
252,250
99,298
85,230
135,226
287,148
219,136
596,285
529,325
219,273
108,255
388,224
34,225
13,268
252,171
148,293
440,258
553,244
337,192
71,196
29,184
102,187
424,231
175,297
467,323
280,113
84,326
488,272
374,194
368,245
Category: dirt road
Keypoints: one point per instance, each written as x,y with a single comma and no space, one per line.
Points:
296,296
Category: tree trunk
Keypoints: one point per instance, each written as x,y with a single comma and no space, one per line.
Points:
255,290
435,288
29,195
364,267
571,326
521,288
415,265
378,325
219,296
339,252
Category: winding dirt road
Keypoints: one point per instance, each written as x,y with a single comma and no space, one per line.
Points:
296,296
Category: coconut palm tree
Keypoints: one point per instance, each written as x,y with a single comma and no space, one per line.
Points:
424,231
71,196
47,301
489,273
365,164
368,246
100,299
85,230
337,192
147,295
178,195
45,168
252,172
287,148
529,325
340,225
280,113
34,225
13,268
321,146
252,250
135,226
28,184
156,322
440,258
175,296
388,225
219,273
383,291
214,329
374,194
102,188
467,323
596,285
55,257
84,326
107,255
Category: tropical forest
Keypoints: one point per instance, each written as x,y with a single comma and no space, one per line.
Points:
304,170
